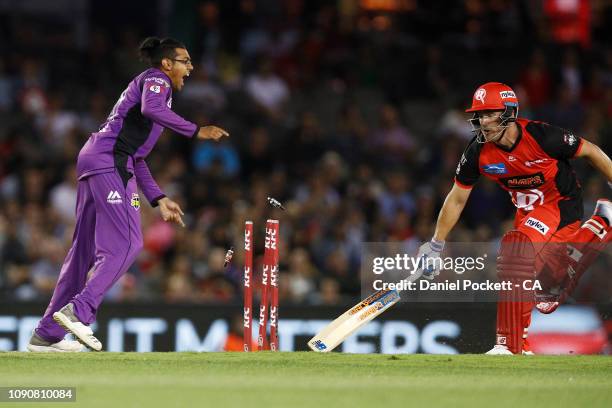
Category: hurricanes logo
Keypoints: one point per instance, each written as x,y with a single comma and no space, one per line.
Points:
480,95
135,201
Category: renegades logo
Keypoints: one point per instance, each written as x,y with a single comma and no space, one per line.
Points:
523,182
480,95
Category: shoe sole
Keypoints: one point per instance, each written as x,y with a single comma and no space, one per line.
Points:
548,309
63,321
48,349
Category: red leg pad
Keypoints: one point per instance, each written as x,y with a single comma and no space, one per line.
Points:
515,264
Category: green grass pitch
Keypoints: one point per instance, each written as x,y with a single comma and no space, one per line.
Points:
313,380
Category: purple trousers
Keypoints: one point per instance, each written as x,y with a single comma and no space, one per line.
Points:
106,240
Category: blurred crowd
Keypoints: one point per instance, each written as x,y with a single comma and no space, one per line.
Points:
349,112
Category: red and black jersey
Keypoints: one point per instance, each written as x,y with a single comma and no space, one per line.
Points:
535,170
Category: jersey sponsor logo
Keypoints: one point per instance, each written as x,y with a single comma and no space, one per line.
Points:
461,163
160,81
114,197
480,95
537,225
569,139
155,88
523,182
507,94
530,163
495,168
135,201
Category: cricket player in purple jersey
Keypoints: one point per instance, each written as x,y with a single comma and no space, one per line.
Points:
111,167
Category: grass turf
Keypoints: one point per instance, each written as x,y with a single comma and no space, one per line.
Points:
313,380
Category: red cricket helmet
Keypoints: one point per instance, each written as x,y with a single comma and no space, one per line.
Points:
493,96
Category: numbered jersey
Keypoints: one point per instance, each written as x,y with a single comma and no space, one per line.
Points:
535,171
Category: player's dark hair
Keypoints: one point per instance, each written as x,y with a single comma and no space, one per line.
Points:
153,49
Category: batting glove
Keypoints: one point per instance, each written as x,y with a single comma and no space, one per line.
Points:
427,255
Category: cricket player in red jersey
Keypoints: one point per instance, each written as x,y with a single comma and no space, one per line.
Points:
530,160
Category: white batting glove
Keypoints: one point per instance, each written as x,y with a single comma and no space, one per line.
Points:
427,255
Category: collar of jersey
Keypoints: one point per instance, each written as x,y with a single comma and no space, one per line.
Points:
164,75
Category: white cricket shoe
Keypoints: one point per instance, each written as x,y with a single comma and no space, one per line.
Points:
40,345
499,350
66,318
547,307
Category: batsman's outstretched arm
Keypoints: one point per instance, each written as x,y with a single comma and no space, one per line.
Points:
450,212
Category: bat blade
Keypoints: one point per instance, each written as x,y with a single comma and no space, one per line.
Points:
352,320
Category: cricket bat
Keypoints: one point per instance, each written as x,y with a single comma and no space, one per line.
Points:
350,321
359,315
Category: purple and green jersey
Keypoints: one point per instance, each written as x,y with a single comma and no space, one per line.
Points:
131,131
108,236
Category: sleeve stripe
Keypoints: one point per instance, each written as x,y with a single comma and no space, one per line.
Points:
155,201
195,133
463,186
579,149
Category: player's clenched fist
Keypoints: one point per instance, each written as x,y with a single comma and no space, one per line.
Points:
427,256
211,132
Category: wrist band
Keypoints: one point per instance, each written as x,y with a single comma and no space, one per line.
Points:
436,245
